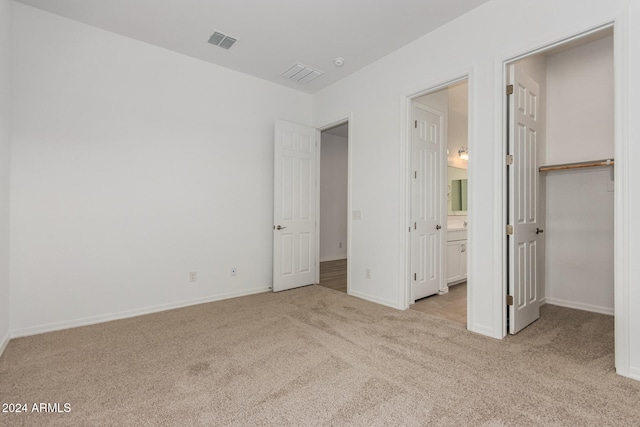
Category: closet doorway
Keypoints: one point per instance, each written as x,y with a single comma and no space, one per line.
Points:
560,160
441,254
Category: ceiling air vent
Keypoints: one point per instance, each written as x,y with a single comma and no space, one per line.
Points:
222,40
301,74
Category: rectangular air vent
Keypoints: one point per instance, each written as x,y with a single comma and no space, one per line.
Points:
301,74
222,40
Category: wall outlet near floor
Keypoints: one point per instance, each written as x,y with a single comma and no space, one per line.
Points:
234,271
367,273
193,276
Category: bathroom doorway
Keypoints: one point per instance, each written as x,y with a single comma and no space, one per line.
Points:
450,300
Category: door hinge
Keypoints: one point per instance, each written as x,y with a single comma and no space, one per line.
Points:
509,299
509,230
415,225
415,276
509,90
415,124
509,159
415,174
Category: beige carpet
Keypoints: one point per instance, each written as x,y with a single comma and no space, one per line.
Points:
314,356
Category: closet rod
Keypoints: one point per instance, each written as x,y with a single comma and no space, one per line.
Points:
565,166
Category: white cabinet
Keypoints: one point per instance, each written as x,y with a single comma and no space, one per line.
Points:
456,256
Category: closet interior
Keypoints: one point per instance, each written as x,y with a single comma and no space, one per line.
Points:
576,179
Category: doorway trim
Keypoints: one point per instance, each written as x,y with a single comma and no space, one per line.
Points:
406,101
621,177
348,119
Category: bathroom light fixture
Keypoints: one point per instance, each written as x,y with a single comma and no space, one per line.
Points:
463,152
338,62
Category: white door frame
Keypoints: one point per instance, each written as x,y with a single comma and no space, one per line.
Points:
406,102
349,120
621,177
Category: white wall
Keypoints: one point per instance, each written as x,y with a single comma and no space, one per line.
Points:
580,103
458,128
579,234
132,166
579,213
333,197
5,136
477,42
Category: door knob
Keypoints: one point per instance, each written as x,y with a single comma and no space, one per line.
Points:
279,227
538,230
438,227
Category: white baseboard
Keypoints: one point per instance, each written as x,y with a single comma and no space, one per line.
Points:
333,258
634,373
580,306
543,301
92,320
4,343
457,282
482,330
381,301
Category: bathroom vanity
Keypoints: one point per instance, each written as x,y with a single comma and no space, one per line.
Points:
456,255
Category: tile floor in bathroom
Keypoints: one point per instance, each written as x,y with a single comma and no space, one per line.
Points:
450,306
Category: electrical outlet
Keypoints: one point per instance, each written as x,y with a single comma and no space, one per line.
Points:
234,271
193,276
367,273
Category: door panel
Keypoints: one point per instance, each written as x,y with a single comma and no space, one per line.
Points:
286,242
294,230
523,200
426,188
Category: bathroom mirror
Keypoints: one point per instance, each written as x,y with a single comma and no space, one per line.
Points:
457,191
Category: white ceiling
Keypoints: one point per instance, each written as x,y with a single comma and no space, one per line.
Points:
272,34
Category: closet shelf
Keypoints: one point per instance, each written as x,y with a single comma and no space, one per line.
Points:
579,165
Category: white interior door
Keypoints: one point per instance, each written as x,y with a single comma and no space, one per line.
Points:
426,207
523,200
294,201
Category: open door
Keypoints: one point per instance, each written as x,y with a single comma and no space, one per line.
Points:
294,204
426,203
524,304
